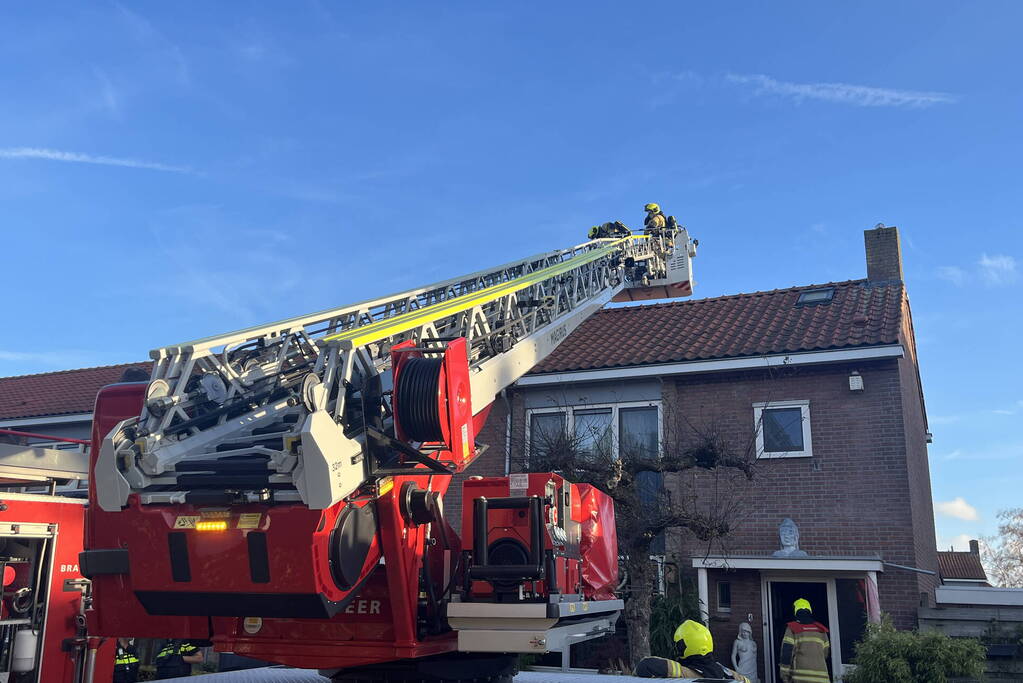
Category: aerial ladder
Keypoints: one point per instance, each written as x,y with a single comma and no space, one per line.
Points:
279,490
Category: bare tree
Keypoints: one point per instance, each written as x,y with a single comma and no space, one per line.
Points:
691,481
1003,553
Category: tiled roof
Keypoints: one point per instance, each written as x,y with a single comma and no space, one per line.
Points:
57,393
861,313
954,565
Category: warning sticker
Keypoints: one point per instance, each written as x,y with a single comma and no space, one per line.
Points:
518,483
465,441
185,521
249,520
252,625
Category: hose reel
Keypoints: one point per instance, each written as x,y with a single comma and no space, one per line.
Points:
431,399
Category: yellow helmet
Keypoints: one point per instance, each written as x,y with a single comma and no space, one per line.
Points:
652,207
801,603
696,637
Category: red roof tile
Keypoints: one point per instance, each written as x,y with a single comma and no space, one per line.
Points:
57,393
861,313
954,564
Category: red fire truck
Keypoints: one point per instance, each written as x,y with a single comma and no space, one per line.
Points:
279,490
44,598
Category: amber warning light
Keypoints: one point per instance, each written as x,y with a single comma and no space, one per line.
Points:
211,525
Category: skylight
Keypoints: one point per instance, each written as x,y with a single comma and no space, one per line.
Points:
823,295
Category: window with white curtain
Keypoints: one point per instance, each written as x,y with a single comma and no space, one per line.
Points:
632,428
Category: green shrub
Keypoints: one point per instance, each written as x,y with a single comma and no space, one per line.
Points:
680,602
886,654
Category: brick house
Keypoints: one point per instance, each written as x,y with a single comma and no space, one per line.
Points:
825,378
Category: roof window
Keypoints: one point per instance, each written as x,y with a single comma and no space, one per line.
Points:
811,297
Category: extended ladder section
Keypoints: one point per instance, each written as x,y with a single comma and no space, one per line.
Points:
281,412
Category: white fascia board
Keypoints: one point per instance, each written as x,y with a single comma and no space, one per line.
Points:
790,564
979,595
723,365
51,420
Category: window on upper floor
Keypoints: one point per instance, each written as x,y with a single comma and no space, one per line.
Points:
783,429
632,428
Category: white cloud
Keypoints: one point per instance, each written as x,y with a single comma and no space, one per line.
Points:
1002,411
954,455
998,269
957,508
944,419
144,32
842,93
74,157
959,542
953,274
108,93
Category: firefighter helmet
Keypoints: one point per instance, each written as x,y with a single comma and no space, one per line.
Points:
695,637
801,603
652,208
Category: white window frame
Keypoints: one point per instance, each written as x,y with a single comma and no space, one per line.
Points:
569,412
758,414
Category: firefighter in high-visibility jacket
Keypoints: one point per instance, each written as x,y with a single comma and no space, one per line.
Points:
655,221
693,645
805,648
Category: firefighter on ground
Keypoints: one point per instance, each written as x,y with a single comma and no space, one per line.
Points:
805,647
176,658
126,662
693,645
655,221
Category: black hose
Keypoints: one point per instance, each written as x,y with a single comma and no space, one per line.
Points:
417,399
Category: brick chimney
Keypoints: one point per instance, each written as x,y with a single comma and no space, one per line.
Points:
975,547
884,253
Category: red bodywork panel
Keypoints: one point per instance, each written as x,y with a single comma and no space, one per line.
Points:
67,515
266,586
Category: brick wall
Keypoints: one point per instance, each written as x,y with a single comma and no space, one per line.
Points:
915,424
724,626
884,254
490,464
853,497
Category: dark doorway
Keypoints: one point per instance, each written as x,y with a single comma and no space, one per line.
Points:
783,594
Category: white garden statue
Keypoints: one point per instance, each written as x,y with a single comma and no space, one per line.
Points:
744,653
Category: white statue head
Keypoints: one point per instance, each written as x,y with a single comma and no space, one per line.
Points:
789,533
745,631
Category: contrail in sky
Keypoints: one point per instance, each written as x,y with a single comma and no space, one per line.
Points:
75,157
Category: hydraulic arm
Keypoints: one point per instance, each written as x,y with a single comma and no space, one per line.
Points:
279,489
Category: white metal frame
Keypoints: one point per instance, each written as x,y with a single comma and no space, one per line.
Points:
511,317
615,407
758,421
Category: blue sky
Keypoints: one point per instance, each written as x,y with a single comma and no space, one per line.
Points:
173,170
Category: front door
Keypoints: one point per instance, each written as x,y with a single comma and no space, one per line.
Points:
782,595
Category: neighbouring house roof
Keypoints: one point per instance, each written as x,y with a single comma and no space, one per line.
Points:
955,565
58,393
861,313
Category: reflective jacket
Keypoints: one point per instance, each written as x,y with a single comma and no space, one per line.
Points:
804,653
703,668
170,661
126,665
654,222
